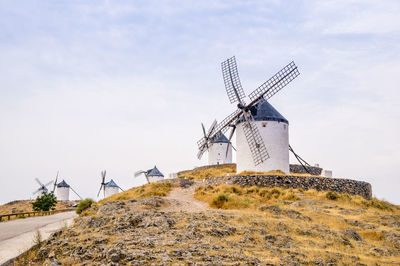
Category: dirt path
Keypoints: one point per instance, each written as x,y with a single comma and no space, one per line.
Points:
181,199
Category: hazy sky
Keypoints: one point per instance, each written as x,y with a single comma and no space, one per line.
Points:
124,85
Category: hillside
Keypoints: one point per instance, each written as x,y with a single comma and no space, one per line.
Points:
253,226
18,206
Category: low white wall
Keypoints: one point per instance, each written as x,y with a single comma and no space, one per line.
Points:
276,139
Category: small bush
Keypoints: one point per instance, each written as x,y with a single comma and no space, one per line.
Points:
332,195
37,239
21,216
45,202
291,196
275,193
83,205
378,204
220,200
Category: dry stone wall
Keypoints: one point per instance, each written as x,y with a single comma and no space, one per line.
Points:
352,187
299,169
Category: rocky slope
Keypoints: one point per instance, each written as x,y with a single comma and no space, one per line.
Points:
165,231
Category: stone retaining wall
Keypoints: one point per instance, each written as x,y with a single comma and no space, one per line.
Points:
299,169
319,183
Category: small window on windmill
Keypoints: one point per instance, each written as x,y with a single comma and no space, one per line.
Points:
264,124
284,126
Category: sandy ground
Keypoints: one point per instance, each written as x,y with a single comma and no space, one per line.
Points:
181,199
17,236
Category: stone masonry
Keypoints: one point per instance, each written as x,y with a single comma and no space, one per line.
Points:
349,186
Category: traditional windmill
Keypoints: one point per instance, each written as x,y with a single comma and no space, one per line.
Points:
152,175
109,188
63,191
42,189
219,148
262,133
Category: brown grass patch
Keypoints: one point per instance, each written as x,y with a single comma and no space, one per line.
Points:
199,174
149,190
237,197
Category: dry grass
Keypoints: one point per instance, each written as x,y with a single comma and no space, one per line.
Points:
18,206
199,174
237,197
149,190
228,169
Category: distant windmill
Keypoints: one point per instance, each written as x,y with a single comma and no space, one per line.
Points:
63,191
262,132
219,147
109,188
42,189
152,175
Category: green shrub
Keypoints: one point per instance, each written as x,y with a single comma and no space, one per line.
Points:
45,202
83,205
220,200
332,195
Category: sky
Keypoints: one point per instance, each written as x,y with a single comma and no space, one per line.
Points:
124,85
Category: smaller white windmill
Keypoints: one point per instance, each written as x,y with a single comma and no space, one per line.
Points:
63,190
42,189
219,148
152,175
109,188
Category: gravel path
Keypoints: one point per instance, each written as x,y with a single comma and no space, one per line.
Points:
181,199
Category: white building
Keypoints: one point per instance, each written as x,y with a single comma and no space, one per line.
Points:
217,151
274,130
154,175
110,188
63,191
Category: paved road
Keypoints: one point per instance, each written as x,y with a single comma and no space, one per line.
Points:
16,236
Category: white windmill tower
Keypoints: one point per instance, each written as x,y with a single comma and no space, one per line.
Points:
219,148
42,189
262,138
63,189
109,188
152,175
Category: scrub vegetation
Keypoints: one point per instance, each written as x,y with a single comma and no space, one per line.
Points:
149,190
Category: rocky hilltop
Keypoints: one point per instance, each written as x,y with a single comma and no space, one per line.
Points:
227,225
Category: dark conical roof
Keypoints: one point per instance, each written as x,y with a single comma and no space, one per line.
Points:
62,184
264,111
219,138
154,172
111,183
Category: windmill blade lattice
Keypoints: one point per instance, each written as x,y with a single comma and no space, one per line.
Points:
232,81
204,143
38,181
276,83
256,143
55,182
